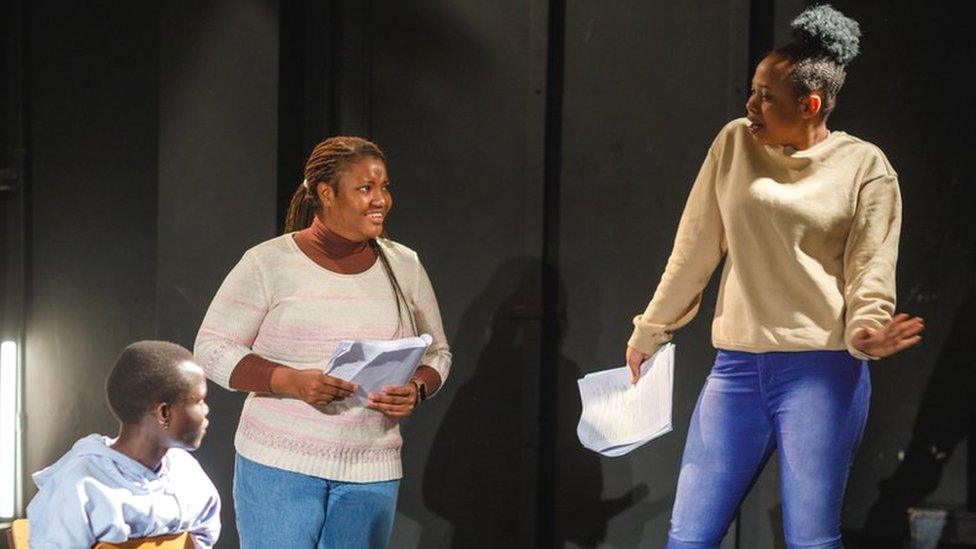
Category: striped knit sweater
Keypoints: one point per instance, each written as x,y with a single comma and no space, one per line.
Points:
282,306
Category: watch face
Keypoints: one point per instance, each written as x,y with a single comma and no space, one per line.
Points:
421,389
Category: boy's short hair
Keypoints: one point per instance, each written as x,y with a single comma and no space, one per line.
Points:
144,375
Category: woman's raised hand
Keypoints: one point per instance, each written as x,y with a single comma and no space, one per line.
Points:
395,402
634,359
901,332
312,386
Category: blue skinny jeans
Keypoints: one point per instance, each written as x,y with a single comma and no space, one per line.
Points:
278,508
808,406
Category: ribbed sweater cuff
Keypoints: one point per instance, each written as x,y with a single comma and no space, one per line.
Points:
852,328
430,378
647,338
253,373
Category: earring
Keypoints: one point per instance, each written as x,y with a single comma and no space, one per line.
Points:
165,423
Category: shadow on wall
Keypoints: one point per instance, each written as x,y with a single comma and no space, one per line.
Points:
945,418
946,413
481,474
583,514
776,520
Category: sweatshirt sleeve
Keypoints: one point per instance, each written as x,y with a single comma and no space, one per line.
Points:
206,529
870,257
698,248
58,516
428,317
232,321
76,510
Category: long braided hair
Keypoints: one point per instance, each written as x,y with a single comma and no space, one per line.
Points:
325,165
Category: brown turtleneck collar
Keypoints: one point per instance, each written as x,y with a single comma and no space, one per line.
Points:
334,252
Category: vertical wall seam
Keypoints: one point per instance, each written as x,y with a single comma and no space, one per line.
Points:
549,371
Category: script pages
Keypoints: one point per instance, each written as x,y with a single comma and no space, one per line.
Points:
619,416
373,365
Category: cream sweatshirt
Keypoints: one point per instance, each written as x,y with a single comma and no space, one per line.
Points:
810,240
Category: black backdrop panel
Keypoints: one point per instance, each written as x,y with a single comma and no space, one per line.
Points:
457,104
648,85
903,94
92,112
217,180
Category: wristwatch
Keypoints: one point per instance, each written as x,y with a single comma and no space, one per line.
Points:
421,390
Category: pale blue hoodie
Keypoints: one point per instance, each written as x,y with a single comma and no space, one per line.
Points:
94,493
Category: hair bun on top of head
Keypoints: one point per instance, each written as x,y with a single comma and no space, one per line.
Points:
828,30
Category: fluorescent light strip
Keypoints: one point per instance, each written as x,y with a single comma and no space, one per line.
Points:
8,428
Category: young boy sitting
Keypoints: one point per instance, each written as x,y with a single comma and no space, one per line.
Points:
143,483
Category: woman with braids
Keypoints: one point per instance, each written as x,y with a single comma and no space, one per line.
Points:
312,470
808,222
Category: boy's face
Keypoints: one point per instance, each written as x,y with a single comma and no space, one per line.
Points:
188,418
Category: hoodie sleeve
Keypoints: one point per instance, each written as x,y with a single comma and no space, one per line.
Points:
73,511
206,528
58,520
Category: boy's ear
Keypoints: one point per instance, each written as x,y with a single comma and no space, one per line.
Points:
161,413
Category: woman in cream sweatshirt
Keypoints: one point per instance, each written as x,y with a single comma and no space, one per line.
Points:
808,222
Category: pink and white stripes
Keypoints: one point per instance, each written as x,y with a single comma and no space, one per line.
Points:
280,305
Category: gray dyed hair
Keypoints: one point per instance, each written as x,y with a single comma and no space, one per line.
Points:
824,42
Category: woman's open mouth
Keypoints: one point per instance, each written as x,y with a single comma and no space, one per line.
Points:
376,217
755,127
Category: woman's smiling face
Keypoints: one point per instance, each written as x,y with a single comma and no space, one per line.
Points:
357,206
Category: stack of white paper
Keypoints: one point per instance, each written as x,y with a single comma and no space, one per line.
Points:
373,365
619,416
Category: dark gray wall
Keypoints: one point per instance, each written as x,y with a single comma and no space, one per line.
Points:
915,447
92,109
217,179
154,168
648,84
468,190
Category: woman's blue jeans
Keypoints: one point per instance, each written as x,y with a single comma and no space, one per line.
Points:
278,508
810,407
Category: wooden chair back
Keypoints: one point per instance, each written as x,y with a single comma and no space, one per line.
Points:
19,533
173,541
